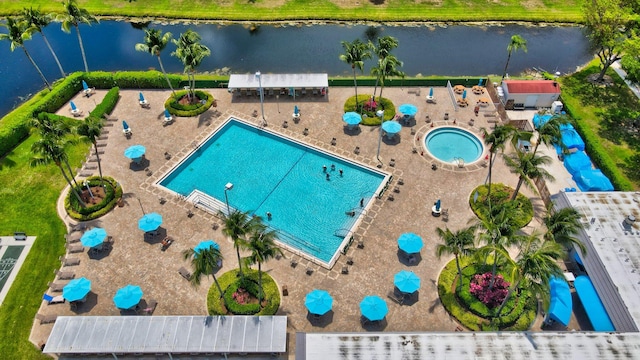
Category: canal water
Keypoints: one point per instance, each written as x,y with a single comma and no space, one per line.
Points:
425,50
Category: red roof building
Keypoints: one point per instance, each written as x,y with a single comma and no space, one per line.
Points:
530,94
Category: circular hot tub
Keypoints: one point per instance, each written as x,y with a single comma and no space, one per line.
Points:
452,144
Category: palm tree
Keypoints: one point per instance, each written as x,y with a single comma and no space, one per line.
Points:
534,267
562,226
237,225
17,34
263,248
355,54
36,21
154,43
56,130
49,149
204,262
549,133
461,242
496,140
90,129
382,49
528,166
74,16
517,43
191,53
387,67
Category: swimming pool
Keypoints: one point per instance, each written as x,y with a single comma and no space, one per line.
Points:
286,178
449,144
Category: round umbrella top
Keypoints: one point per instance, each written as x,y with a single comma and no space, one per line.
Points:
204,245
410,243
318,302
408,109
391,127
352,118
76,289
373,308
406,281
141,97
128,297
73,106
135,151
166,113
93,237
150,222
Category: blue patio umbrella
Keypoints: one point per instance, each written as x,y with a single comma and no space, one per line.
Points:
135,151
373,308
141,97
352,118
128,297
406,281
431,92
84,85
76,289
296,110
150,222
73,106
93,237
391,127
408,109
125,125
204,245
410,243
464,94
480,82
167,114
438,204
318,302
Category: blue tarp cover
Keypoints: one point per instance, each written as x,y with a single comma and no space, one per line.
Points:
571,139
561,305
576,162
592,180
539,120
592,304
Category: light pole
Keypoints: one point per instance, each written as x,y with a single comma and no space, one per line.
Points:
259,76
278,102
380,114
227,187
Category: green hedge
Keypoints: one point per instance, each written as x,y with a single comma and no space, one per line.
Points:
108,103
369,118
216,306
237,308
189,110
113,194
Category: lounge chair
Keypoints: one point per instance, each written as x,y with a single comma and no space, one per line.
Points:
151,307
166,242
56,287
65,275
345,269
46,319
53,299
396,297
74,248
69,261
184,273
73,237
294,263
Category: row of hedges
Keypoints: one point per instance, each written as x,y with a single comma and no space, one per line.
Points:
113,192
15,126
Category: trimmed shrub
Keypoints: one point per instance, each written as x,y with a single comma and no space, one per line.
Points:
189,110
113,193
369,116
521,208
230,281
108,103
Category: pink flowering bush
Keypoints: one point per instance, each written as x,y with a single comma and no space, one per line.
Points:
479,287
241,296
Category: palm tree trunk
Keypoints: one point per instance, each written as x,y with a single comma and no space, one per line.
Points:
95,147
55,57
36,66
504,302
375,87
515,193
459,272
165,76
66,162
215,280
84,57
239,262
494,269
71,186
490,167
504,73
261,295
355,85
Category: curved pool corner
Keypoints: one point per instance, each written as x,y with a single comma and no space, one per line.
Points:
450,145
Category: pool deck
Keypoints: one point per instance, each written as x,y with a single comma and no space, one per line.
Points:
135,261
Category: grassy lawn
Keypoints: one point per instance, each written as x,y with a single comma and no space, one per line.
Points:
28,199
346,10
604,113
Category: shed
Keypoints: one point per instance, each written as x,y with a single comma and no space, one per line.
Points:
532,94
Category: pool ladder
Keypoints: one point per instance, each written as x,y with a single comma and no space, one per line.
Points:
458,161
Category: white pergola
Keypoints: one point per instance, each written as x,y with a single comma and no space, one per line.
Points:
278,81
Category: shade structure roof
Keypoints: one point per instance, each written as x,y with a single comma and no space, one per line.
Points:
560,304
410,243
128,296
134,151
167,334
93,237
406,281
204,245
150,222
250,81
76,289
374,308
391,127
318,302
